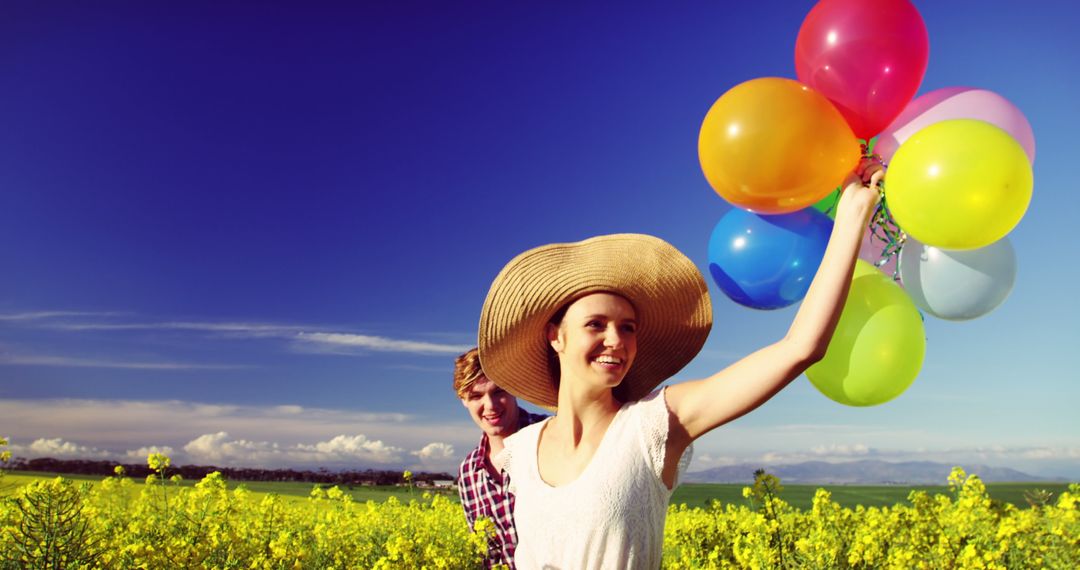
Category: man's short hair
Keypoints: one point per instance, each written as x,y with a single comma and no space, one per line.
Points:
467,371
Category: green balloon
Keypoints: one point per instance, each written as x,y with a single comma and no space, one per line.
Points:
879,343
827,205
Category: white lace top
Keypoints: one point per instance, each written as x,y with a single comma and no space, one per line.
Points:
612,515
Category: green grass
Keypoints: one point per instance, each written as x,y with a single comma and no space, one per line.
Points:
286,489
801,496
693,494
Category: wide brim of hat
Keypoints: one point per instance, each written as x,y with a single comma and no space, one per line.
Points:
669,295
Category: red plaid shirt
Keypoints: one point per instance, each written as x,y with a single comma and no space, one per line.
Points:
484,496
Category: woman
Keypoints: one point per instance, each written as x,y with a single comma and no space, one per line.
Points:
589,329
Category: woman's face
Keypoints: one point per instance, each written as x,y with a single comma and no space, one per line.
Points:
597,339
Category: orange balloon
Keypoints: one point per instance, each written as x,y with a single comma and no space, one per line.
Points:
773,146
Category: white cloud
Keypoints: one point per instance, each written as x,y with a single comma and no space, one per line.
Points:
358,447
378,343
284,435
218,448
247,329
1016,457
856,450
360,450
140,455
340,451
435,452
151,419
1051,453
744,442
40,315
334,342
218,410
131,424
289,435
702,461
60,449
76,362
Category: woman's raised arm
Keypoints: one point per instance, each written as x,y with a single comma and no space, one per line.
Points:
701,405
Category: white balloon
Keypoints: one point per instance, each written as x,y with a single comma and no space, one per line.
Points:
958,285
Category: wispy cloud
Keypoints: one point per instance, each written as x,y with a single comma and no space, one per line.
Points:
445,369
42,315
1054,461
247,329
121,416
378,343
76,362
994,454
746,442
306,338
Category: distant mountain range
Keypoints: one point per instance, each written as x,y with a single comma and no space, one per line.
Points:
866,472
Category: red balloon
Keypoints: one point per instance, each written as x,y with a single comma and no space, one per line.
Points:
867,57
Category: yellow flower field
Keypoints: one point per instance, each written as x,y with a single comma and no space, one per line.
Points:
60,524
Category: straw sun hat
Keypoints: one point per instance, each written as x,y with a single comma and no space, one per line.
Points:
666,289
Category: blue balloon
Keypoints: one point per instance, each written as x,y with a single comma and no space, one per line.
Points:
767,262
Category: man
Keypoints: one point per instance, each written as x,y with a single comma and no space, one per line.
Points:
483,488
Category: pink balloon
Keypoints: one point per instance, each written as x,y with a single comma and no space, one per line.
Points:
956,103
868,57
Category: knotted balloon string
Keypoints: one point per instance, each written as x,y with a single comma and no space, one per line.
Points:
884,230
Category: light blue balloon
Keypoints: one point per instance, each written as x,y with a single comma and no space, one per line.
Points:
958,285
767,262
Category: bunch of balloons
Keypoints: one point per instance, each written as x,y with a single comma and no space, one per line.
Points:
958,180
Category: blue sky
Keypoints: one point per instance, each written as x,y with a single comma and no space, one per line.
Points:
257,233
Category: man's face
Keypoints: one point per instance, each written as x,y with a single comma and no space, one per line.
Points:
493,409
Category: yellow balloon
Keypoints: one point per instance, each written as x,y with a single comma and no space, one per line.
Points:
879,343
959,184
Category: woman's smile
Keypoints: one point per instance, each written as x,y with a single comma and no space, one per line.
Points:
608,362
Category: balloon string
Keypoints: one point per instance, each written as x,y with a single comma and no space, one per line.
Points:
830,211
868,147
883,228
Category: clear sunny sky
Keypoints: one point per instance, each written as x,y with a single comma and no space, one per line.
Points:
257,233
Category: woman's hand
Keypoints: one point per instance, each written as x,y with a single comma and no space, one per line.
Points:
861,195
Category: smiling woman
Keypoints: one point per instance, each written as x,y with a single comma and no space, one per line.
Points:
605,320
590,329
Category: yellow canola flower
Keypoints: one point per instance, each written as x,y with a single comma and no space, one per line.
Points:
157,461
208,526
